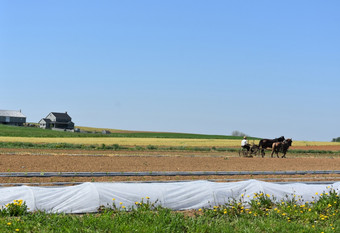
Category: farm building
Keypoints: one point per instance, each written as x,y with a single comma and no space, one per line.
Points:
57,120
12,117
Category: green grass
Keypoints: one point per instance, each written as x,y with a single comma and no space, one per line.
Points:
15,131
263,213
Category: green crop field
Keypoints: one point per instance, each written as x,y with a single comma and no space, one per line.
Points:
14,131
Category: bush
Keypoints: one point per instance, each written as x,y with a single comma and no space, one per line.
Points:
151,147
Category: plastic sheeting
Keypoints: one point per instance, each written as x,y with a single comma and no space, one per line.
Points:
88,197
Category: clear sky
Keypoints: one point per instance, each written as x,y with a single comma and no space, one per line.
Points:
265,68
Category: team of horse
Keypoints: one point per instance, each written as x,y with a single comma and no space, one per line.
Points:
277,145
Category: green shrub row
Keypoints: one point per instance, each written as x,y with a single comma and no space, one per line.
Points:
27,145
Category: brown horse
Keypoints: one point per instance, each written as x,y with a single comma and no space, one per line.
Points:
281,147
268,143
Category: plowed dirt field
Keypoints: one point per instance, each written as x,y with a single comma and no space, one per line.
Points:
16,160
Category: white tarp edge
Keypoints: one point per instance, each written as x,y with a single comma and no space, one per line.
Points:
88,197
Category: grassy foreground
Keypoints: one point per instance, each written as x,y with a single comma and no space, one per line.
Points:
263,213
15,131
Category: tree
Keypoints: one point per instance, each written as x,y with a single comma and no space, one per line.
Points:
336,139
238,133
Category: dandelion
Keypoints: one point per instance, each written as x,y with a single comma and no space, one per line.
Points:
225,212
267,195
199,209
282,203
113,199
17,229
309,210
120,203
147,197
284,214
316,193
9,223
123,207
136,202
242,195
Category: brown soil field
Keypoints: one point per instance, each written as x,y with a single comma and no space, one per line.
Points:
35,160
327,148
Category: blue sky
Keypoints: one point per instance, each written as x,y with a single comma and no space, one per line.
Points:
265,68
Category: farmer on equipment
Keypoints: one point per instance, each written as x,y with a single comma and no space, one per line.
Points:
244,143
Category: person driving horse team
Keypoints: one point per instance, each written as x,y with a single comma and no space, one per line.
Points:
244,143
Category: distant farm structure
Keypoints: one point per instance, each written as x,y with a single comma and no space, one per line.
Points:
57,121
12,117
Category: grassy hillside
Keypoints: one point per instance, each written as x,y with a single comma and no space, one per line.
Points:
14,131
